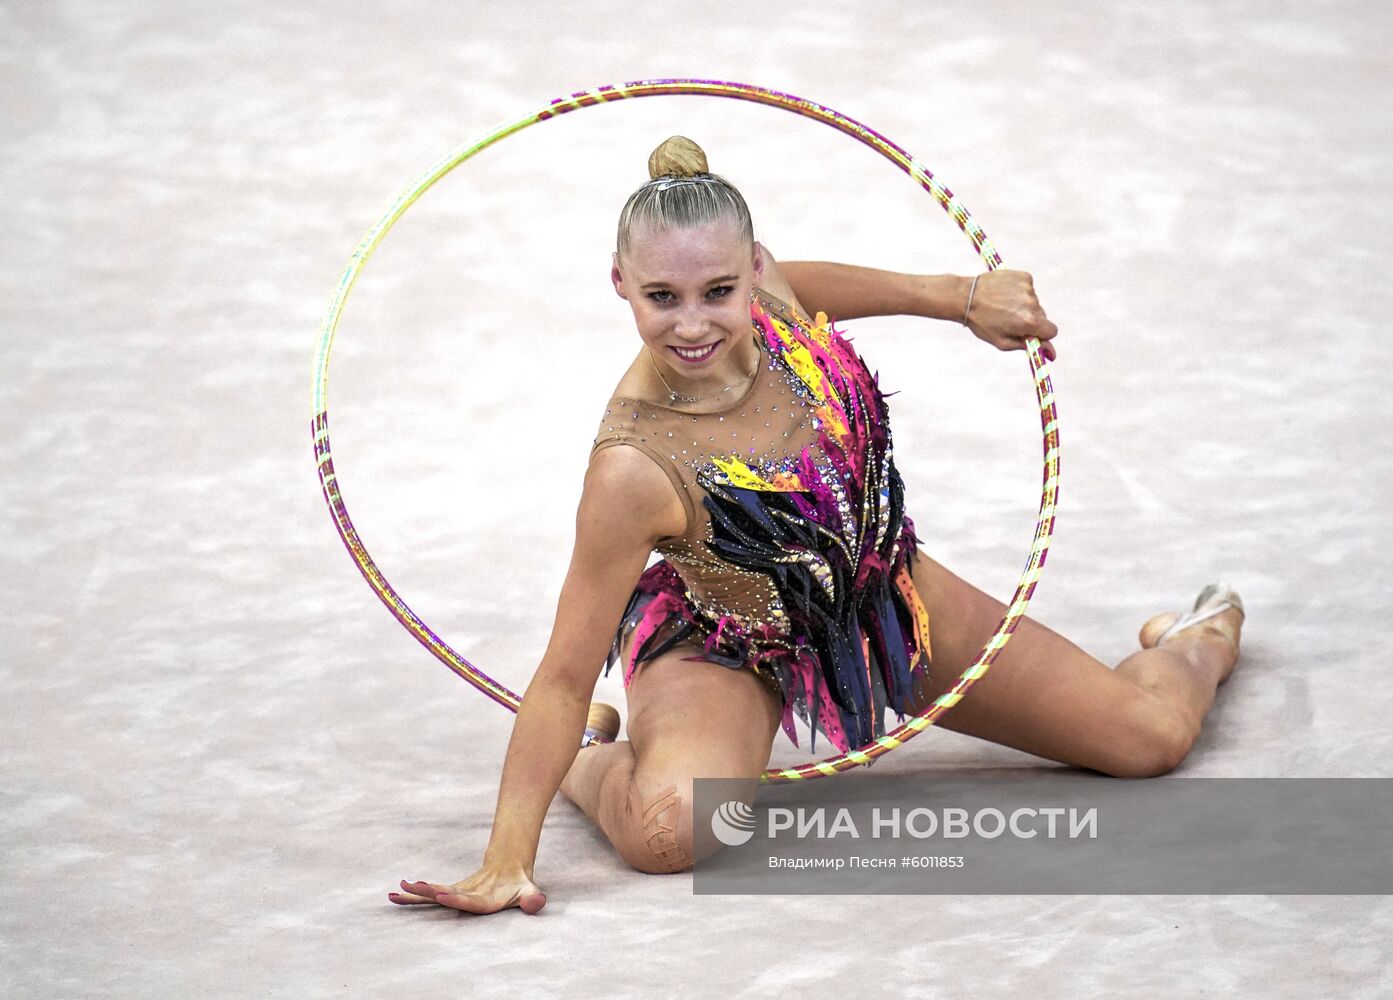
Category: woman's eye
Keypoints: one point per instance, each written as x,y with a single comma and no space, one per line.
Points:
720,291
659,296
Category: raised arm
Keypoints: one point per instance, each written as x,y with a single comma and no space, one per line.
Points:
1004,310
627,504
847,291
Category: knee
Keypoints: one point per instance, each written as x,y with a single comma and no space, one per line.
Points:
656,832
1154,744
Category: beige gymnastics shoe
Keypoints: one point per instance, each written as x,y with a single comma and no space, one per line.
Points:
601,725
1213,600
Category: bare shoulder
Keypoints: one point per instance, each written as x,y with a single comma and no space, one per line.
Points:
626,495
620,517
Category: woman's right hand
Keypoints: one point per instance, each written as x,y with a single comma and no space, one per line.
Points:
488,890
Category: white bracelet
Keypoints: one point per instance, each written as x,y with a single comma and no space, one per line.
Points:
972,291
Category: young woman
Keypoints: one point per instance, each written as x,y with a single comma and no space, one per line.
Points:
750,446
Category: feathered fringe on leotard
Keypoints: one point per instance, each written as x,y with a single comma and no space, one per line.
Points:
836,543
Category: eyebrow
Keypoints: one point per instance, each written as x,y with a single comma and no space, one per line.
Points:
713,281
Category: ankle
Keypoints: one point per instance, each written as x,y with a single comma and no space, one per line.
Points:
1205,648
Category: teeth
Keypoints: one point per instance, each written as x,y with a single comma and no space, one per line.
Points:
687,353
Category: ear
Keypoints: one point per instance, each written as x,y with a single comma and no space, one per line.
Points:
616,278
759,262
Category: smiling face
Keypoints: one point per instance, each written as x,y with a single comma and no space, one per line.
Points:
689,289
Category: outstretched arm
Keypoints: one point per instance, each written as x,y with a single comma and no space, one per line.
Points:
846,291
1003,309
619,519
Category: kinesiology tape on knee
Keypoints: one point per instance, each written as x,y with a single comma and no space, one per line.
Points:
659,819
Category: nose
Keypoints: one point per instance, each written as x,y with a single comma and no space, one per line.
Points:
690,326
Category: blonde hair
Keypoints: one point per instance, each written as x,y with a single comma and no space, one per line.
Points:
681,191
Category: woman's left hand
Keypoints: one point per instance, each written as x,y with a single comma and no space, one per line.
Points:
1005,313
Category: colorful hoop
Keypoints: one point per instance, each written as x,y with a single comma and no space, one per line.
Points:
1044,394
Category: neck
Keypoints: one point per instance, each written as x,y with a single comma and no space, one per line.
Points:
743,366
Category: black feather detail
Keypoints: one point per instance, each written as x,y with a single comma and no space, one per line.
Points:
765,531
650,651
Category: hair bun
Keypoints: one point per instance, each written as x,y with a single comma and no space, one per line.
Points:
677,156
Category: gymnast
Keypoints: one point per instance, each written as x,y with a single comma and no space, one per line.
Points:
749,445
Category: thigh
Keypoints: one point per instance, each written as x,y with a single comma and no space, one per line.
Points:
700,718
688,719
1042,694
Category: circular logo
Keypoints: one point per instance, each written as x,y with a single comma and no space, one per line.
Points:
733,823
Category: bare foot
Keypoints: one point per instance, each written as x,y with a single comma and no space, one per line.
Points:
1221,633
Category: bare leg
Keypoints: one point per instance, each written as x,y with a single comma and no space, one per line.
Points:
1043,695
1046,696
643,829
687,720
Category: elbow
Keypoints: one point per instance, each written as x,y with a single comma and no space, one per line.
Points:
574,683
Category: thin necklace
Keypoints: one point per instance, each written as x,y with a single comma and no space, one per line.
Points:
673,397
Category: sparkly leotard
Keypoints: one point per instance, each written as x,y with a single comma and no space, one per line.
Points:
795,561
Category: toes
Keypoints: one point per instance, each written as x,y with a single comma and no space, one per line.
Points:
1151,632
1155,627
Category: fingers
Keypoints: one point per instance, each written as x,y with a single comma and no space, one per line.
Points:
530,901
1011,313
1021,343
1034,323
1030,315
409,899
435,894
419,892
469,902
1047,350
472,902
1048,331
